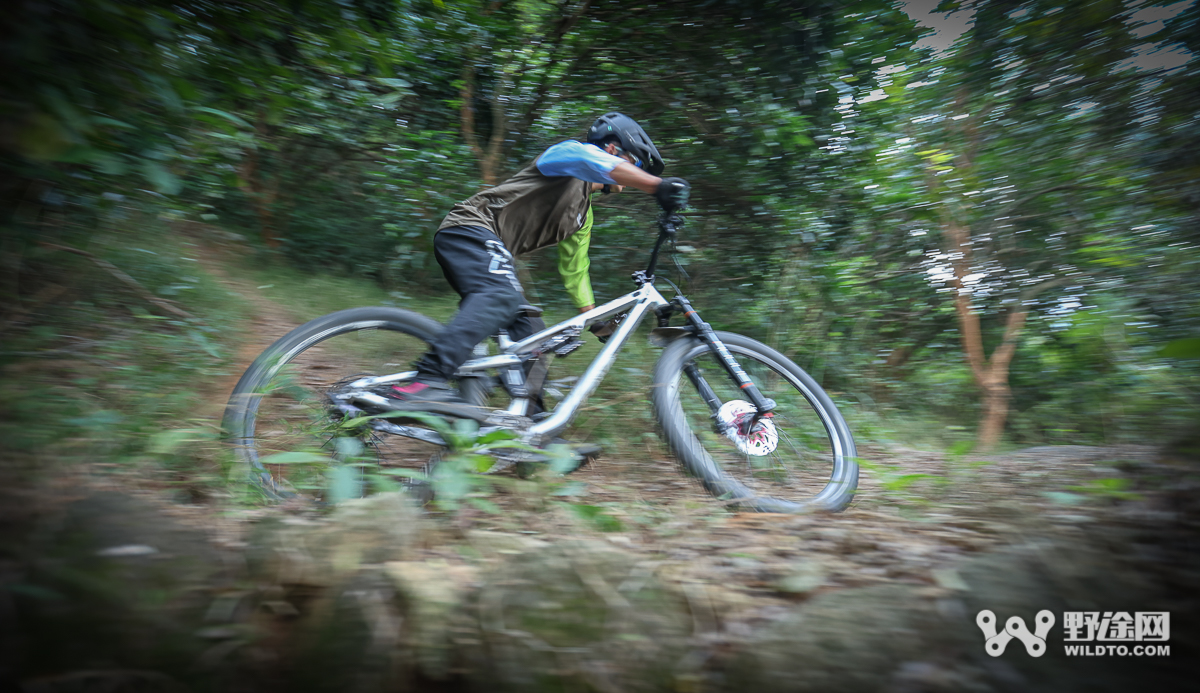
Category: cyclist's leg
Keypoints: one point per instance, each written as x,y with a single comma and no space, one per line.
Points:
479,267
524,325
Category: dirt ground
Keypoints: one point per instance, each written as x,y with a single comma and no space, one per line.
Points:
916,513
925,527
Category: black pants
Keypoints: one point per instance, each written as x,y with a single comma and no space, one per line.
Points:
479,267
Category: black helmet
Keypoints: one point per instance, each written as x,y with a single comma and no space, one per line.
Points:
633,139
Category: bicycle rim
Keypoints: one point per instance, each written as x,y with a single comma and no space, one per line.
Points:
283,425
811,462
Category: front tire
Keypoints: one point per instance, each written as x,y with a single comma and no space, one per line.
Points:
812,467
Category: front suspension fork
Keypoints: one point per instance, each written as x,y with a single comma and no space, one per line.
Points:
706,392
705,332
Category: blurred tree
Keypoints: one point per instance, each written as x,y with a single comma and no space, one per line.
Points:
1022,147
86,89
855,204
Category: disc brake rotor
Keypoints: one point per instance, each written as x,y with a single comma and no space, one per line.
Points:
733,417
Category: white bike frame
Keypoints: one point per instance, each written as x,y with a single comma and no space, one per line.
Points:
636,304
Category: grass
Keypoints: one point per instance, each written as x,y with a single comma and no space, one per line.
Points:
95,374
306,296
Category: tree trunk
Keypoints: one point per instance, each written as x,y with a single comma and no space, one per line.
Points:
466,115
266,224
489,157
260,193
995,413
990,373
262,198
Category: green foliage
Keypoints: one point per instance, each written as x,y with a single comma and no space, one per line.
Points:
307,294
828,157
597,516
456,477
1115,488
1181,349
905,489
96,376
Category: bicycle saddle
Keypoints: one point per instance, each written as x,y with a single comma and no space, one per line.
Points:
530,311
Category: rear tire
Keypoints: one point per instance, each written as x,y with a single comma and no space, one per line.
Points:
279,404
813,466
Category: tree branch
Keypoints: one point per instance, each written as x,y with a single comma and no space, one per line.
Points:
1044,191
535,108
124,278
1029,293
1002,356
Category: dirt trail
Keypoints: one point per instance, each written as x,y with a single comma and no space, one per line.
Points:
916,512
760,598
268,320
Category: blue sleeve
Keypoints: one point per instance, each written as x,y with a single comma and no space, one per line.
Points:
578,160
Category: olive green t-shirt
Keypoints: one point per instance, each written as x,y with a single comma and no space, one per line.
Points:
528,211
573,264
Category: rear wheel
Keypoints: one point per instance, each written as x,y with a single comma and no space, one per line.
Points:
280,406
801,458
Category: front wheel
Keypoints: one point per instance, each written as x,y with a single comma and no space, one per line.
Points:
801,458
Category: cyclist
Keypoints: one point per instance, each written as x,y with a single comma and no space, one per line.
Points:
546,203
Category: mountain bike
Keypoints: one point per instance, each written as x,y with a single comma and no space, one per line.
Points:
756,430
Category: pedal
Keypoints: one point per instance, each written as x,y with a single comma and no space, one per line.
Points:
566,348
514,382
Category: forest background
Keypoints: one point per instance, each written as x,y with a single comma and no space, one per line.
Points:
989,244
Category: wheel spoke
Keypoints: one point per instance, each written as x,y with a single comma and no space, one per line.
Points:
282,407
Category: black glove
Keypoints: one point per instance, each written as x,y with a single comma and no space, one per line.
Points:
672,194
604,329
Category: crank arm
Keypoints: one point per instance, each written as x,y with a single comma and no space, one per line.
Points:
423,434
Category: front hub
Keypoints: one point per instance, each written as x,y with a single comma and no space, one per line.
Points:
735,420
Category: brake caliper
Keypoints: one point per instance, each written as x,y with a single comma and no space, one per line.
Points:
735,416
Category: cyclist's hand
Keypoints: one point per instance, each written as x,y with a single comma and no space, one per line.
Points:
672,194
604,329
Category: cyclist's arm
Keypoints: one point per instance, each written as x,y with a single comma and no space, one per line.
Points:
573,265
626,173
589,162
578,160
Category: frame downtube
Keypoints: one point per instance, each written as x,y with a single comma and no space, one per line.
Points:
590,380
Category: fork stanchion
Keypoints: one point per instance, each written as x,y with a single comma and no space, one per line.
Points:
709,336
